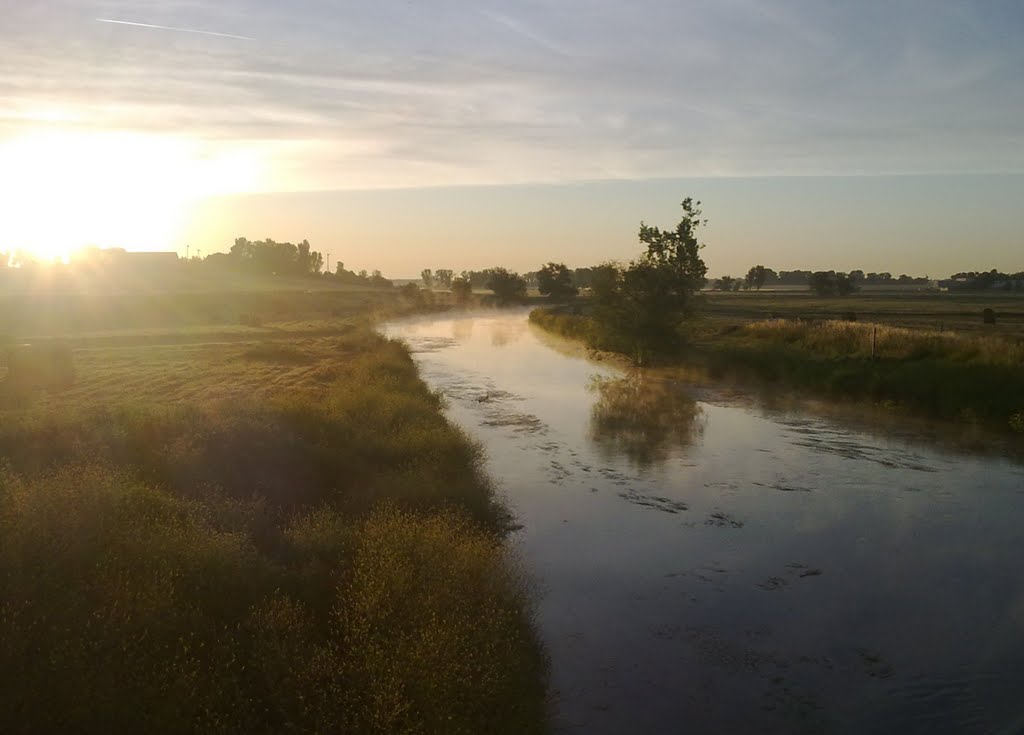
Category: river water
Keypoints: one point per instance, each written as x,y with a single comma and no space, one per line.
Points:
707,563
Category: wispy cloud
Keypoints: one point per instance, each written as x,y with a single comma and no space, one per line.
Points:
524,30
351,95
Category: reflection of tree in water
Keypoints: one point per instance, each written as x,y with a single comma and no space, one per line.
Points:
503,334
643,419
462,329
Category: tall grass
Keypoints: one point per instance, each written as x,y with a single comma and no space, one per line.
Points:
328,559
972,378
975,379
842,339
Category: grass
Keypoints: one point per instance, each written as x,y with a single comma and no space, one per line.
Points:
845,340
253,530
972,376
959,312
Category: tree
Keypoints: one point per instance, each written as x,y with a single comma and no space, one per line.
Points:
428,278
677,253
444,277
639,308
555,281
830,283
377,280
725,283
508,287
756,277
276,258
304,261
462,288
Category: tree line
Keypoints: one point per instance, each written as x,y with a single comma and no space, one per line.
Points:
559,282
986,281
263,257
822,282
636,307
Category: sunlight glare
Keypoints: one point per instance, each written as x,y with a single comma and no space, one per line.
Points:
61,190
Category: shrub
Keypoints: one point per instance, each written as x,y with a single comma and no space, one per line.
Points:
433,614
118,601
125,608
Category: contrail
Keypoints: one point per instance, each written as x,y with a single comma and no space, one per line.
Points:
172,28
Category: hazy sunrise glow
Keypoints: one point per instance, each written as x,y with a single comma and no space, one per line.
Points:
119,120
64,189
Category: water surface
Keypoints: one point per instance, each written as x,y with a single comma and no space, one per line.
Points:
708,564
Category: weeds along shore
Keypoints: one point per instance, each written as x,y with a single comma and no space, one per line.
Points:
963,377
246,536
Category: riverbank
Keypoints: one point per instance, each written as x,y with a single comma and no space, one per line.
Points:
264,533
691,532
967,378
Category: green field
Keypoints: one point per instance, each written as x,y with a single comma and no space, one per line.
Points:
244,512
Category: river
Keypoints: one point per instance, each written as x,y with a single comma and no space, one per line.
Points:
709,563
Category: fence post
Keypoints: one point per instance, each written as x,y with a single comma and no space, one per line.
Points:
874,338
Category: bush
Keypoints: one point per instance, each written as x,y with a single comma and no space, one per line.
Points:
124,608
117,607
433,614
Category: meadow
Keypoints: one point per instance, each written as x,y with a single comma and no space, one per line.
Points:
246,513
928,353
892,306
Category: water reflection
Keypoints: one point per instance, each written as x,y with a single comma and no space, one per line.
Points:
807,568
462,329
642,419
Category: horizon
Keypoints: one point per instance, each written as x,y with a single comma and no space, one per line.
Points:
817,135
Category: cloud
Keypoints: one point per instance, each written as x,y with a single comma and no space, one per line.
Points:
353,95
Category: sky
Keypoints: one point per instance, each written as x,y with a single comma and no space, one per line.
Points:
395,135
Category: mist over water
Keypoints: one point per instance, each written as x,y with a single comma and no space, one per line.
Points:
710,564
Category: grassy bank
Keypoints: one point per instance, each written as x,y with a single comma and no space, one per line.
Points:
267,533
967,377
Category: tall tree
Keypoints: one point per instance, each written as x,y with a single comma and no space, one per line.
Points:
555,281
830,283
677,252
462,288
756,277
304,259
638,308
444,277
508,287
428,278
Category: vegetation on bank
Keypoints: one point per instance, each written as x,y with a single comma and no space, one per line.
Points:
645,311
254,535
965,377
639,306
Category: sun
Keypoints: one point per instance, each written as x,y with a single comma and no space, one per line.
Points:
61,190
